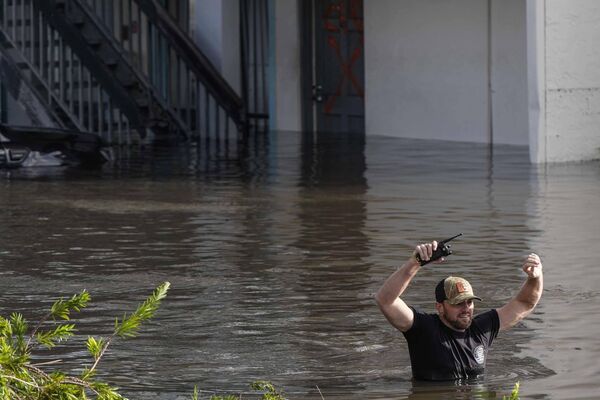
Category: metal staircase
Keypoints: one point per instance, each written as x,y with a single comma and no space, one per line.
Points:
120,69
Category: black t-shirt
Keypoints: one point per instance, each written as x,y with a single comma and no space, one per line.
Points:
440,353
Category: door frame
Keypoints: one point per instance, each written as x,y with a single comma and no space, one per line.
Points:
308,107
307,65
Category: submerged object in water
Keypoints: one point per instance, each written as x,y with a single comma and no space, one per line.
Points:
44,147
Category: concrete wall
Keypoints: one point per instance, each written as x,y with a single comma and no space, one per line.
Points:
427,71
509,72
572,79
430,65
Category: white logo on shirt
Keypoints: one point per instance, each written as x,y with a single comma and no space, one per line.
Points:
479,354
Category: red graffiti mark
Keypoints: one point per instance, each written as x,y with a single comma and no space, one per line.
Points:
345,65
331,27
355,7
335,11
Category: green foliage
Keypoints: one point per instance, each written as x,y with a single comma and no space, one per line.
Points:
227,397
129,325
514,395
51,338
95,347
62,309
269,392
22,380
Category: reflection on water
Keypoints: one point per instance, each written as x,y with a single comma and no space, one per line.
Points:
274,251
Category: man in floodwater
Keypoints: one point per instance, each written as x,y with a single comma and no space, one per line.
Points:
453,344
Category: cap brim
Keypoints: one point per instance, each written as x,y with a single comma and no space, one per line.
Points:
463,297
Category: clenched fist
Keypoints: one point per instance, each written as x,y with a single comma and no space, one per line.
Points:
533,266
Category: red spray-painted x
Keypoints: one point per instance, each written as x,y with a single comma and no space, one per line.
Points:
346,66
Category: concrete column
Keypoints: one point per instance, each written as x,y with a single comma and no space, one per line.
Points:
285,99
572,80
536,79
563,80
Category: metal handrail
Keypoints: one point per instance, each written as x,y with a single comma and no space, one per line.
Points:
196,61
184,78
187,85
55,74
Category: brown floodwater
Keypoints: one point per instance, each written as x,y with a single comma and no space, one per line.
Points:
274,251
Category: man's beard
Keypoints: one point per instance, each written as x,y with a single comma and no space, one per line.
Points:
461,323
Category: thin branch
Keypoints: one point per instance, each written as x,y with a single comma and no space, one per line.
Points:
79,382
69,379
37,370
14,378
37,328
323,398
101,354
46,363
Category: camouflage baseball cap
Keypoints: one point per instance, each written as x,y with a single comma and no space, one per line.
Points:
455,290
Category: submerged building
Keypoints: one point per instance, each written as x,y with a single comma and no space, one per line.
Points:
501,72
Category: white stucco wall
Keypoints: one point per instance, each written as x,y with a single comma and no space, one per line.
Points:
426,69
426,65
509,72
572,78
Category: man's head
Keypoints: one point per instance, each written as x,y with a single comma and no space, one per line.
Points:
454,302
454,290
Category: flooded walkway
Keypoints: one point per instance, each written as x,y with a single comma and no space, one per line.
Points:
274,259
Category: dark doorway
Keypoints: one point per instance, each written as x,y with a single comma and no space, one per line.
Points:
333,66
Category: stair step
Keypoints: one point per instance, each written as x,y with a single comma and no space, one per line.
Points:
77,19
22,65
60,4
110,62
93,41
127,81
142,101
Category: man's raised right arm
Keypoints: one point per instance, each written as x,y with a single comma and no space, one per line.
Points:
397,312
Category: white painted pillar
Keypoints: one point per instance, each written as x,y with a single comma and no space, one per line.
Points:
536,79
563,80
285,109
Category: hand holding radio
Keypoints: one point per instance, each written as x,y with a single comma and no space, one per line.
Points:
438,250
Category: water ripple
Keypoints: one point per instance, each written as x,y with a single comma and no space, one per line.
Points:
274,260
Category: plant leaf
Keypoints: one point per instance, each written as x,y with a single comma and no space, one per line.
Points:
95,347
51,338
62,308
130,324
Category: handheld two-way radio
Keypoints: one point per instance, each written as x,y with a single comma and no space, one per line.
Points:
442,250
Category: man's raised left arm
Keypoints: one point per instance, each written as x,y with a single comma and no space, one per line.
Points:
525,301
